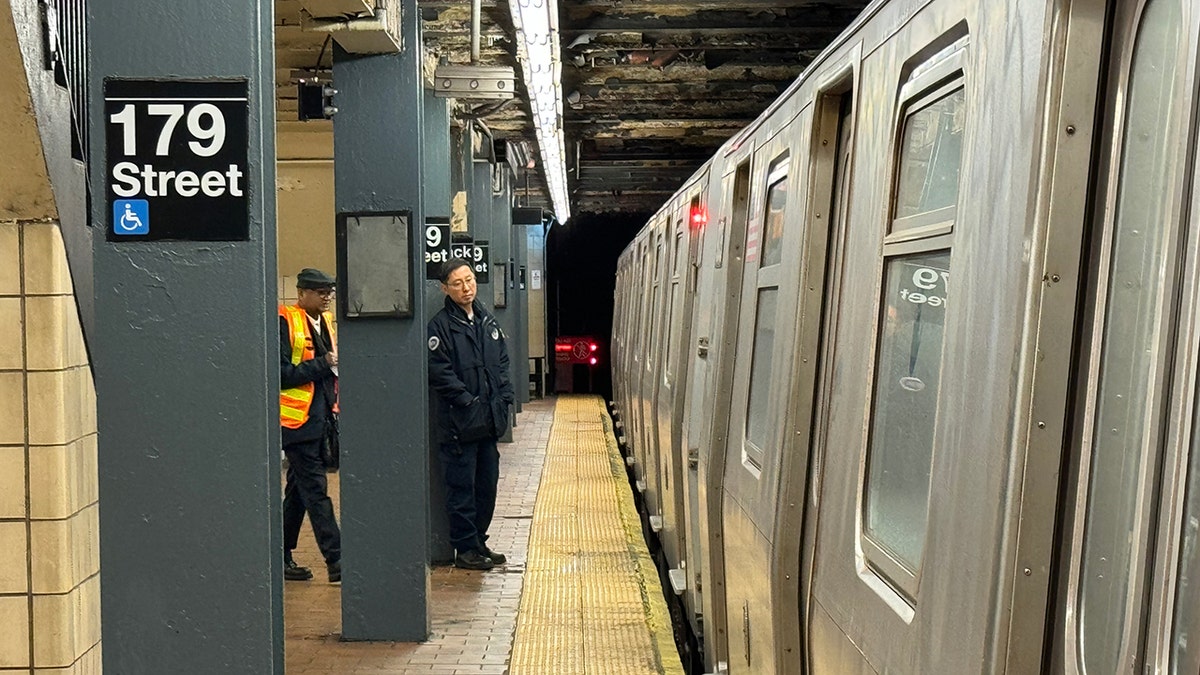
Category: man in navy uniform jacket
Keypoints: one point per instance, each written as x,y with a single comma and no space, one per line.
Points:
468,372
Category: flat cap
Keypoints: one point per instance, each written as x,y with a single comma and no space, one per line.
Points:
314,278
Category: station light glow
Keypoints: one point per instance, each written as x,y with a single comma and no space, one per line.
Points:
536,22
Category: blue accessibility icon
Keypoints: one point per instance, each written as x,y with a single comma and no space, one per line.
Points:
131,217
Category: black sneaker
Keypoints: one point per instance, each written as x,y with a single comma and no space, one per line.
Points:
473,560
335,572
496,558
294,572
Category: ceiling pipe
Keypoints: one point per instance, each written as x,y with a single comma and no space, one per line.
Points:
476,20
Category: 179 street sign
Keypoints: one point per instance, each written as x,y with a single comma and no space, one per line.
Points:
177,160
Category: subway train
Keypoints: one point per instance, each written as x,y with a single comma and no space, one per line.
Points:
906,374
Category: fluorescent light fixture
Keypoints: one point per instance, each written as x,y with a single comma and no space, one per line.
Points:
537,48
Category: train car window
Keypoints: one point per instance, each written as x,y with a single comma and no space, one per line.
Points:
758,431
772,231
930,160
906,395
915,292
653,314
1125,442
673,336
642,311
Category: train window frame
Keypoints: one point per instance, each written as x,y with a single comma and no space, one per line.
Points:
678,243
768,277
932,232
778,174
658,256
939,78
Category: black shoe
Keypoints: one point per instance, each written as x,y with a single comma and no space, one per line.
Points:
496,558
294,572
335,572
473,560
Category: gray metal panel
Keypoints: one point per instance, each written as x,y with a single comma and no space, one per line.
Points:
385,484
436,179
187,379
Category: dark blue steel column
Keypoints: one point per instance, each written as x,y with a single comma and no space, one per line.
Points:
385,484
185,354
436,180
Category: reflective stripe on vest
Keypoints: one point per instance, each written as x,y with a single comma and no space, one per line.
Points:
294,403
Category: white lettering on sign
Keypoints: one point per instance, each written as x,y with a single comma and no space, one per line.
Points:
932,287
206,130
433,236
130,180
205,122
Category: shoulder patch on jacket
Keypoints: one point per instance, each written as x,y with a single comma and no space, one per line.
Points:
434,343
495,333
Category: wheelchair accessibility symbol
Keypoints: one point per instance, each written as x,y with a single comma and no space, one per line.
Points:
131,216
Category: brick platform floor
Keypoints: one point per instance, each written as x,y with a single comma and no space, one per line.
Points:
473,613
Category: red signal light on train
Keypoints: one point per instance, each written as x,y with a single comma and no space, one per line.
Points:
594,360
593,346
699,218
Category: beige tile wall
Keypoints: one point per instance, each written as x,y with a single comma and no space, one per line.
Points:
49,508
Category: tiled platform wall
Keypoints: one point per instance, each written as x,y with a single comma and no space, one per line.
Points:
49,512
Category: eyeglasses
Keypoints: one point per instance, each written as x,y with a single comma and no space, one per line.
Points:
462,283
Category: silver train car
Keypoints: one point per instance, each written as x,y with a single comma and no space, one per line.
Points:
844,471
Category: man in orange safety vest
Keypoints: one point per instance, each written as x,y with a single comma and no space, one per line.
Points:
308,406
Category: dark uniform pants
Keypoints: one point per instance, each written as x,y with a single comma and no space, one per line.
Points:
471,472
307,490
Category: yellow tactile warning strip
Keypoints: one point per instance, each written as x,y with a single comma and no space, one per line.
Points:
592,602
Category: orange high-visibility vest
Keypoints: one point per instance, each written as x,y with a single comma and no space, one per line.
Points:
295,402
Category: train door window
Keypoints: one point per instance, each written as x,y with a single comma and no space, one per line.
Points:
654,296
772,231
1124,438
673,337
915,286
639,323
762,357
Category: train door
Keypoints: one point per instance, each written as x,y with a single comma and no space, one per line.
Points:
686,576
1129,588
918,399
639,292
677,323
753,447
646,476
718,302
831,151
